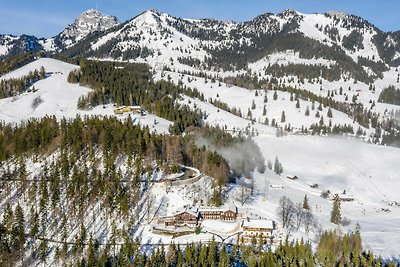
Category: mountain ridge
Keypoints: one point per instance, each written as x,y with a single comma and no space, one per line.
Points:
221,44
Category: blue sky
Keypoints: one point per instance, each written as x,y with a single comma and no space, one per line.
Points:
45,18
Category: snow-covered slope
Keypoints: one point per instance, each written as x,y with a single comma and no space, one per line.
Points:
367,172
55,96
51,66
6,43
11,45
242,99
148,37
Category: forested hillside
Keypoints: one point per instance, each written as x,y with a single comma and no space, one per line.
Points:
131,84
53,173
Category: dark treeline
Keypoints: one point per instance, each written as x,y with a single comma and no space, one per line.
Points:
332,250
15,86
238,56
131,84
14,62
377,67
303,71
390,95
332,73
79,138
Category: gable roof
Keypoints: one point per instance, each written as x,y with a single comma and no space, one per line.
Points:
262,224
190,210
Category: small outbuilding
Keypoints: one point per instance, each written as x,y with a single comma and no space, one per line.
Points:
292,177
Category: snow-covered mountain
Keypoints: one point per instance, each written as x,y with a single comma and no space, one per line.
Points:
227,44
233,45
11,45
86,23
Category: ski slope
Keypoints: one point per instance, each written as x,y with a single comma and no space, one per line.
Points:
370,173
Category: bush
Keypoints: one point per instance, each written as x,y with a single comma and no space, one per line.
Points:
325,194
36,102
197,231
175,169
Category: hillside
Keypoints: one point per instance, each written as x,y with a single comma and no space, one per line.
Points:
56,97
331,57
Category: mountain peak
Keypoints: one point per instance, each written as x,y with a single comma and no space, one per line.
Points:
337,13
92,10
290,12
87,22
154,11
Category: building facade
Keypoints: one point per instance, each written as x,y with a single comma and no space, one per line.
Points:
223,214
258,228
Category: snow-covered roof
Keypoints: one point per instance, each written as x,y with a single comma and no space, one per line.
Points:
262,224
345,196
191,210
222,209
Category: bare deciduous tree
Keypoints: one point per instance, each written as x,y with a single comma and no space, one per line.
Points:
286,211
149,205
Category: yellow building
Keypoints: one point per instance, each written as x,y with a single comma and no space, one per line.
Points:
128,109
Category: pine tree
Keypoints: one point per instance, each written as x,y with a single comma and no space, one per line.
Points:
305,203
43,249
275,95
321,121
20,227
253,105
283,116
249,114
265,110
42,72
298,103
224,260
8,217
336,216
329,114
91,251
307,113
34,222
278,169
